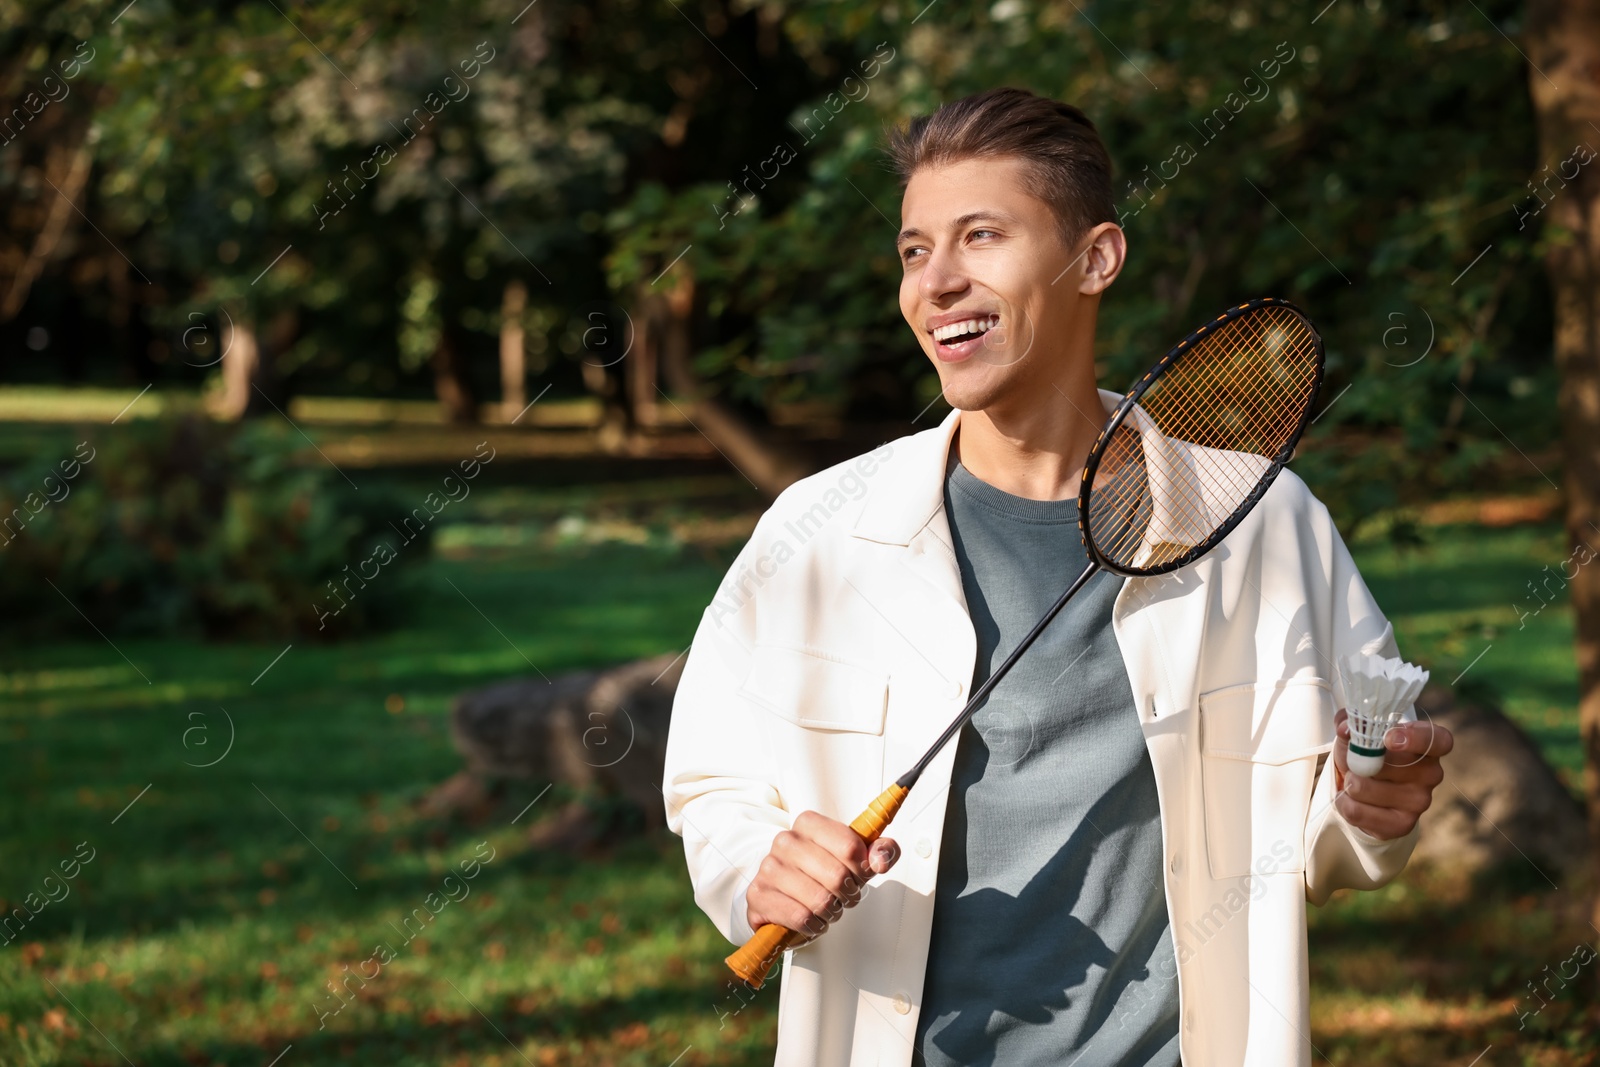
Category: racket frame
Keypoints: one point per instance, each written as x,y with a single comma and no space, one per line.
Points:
1131,400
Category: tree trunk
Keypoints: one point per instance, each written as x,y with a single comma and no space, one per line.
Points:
67,167
250,381
642,374
241,358
611,380
450,383
1563,40
59,150
513,361
616,421
668,339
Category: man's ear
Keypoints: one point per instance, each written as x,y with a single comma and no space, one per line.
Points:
1105,250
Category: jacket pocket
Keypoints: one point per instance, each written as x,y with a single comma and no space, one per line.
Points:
816,690
825,726
1258,762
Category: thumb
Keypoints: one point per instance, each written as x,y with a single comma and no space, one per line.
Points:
883,855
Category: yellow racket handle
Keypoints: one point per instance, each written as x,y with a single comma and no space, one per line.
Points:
754,960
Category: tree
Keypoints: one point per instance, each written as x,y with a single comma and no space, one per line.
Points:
619,153
1563,39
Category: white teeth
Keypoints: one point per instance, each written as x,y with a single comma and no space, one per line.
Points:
956,329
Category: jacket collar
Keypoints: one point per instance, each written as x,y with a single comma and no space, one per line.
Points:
909,493
909,488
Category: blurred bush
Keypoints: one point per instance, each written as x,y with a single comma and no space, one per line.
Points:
185,526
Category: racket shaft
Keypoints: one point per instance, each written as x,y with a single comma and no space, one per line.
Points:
989,683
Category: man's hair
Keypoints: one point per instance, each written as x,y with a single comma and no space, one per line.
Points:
1066,165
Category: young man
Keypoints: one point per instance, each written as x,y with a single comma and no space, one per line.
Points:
1110,867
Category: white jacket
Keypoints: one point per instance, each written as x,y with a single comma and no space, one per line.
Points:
839,646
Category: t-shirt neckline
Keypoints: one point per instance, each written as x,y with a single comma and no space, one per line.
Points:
1020,508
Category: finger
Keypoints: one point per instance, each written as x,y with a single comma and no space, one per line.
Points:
1420,738
1341,764
785,912
812,846
827,870
1383,823
1397,767
786,895
883,854
836,838
1409,797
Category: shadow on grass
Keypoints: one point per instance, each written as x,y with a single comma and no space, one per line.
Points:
483,1025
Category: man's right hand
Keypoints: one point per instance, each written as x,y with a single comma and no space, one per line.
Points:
813,873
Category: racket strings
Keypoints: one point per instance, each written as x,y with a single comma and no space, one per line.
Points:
1254,392
1200,490
1217,416
1204,400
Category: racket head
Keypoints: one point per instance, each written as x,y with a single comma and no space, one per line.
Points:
1212,423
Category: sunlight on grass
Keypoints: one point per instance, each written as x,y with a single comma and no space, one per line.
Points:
218,923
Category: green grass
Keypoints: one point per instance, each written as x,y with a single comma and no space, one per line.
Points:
1434,969
207,923
220,903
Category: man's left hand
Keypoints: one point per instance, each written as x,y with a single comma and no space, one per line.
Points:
1389,804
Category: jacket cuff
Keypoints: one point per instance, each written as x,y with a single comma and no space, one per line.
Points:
1378,847
739,929
1344,856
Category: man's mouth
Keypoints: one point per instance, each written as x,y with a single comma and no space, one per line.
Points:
957,340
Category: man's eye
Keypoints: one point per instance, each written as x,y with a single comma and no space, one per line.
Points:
908,253
992,233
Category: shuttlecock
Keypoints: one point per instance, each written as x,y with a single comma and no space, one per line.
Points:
1378,695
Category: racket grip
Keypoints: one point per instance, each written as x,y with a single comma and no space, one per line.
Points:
754,959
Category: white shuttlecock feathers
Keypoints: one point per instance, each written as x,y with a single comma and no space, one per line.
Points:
1379,694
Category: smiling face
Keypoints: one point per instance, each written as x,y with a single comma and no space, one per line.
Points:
1003,308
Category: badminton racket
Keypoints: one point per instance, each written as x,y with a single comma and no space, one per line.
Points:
1188,452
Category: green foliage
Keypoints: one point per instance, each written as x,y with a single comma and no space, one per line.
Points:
1325,161
1369,161
187,526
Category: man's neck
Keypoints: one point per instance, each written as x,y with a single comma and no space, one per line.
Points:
1037,453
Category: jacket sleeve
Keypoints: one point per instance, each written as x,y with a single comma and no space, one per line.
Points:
1338,854
721,782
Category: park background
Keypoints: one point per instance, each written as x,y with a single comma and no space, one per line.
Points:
273,275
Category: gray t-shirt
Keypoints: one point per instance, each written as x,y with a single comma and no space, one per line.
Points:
1051,940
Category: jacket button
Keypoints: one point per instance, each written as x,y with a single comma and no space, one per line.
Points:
955,689
924,847
902,1004
1176,866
